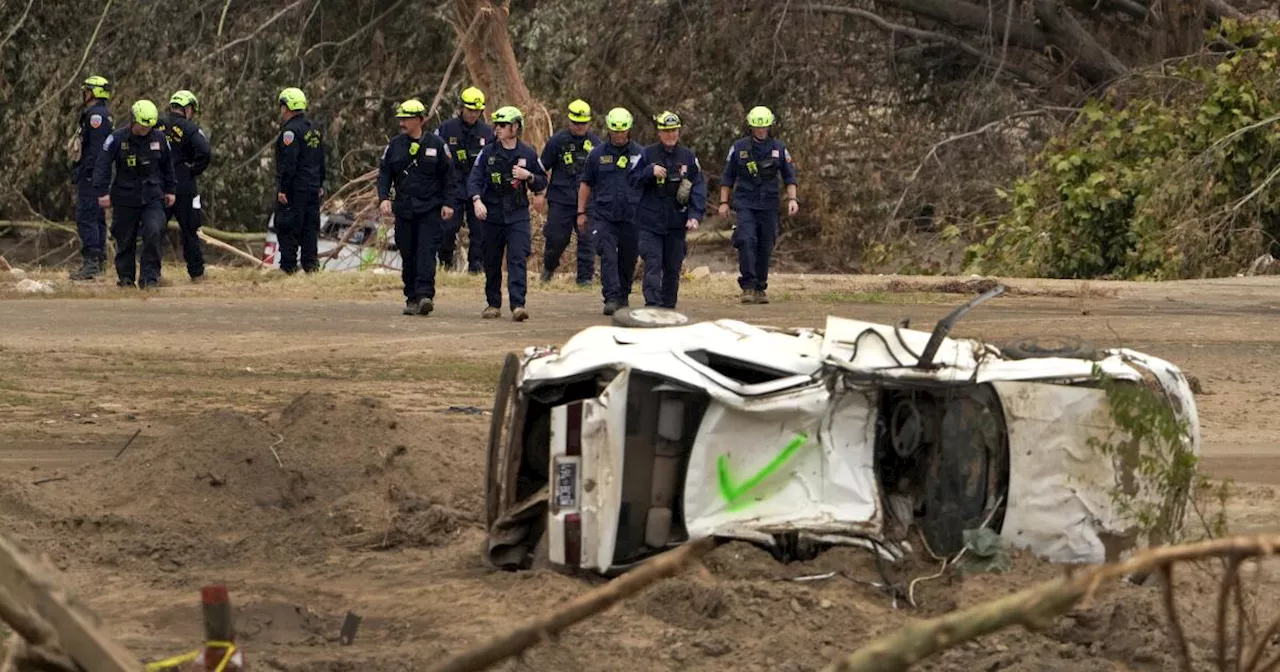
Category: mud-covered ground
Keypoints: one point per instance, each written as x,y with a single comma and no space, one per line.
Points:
301,441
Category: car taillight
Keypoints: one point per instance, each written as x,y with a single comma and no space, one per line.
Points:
573,539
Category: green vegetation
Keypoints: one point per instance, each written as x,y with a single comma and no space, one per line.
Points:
1169,175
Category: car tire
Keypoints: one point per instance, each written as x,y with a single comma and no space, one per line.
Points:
649,318
1038,347
497,432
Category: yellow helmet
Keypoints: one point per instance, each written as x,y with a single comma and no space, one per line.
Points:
472,98
411,108
667,120
579,111
618,119
760,117
145,113
184,98
98,86
508,115
293,99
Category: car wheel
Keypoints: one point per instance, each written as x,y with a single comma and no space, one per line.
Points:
649,318
498,422
1035,347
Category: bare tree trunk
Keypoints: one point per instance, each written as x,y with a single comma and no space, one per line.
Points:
491,62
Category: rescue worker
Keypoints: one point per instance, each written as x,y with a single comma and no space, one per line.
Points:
499,185
142,187
751,171
417,165
466,134
91,220
612,201
300,169
191,155
565,157
673,198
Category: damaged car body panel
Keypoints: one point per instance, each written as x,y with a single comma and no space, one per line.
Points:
625,442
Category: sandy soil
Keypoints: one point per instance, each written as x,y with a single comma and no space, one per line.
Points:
306,444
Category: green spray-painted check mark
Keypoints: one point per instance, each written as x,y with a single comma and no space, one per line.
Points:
735,495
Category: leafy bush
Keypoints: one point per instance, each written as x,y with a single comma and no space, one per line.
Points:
1169,175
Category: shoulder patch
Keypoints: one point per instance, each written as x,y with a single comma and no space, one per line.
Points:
95,120
287,138
106,144
155,146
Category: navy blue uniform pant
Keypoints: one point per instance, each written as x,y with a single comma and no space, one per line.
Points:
91,224
515,241
189,220
127,225
618,245
418,238
754,238
663,255
475,238
561,224
298,226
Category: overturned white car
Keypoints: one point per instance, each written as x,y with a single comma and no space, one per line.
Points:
627,441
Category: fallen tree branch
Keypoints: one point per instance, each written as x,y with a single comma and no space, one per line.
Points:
227,248
356,34
18,24
578,609
254,34
1094,62
916,33
1033,608
84,57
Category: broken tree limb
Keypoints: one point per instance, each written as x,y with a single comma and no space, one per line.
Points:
23,622
70,227
578,609
1095,63
32,585
1033,608
227,248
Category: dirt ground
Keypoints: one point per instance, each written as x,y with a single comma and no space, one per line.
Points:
301,441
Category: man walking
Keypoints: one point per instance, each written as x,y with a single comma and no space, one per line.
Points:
565,156
143,186
751,171
417,183
673,198
499,185
612,201
300,169
191,155
466,134
91,220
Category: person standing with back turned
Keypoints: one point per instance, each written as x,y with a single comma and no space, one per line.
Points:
91,220
299,184
191,155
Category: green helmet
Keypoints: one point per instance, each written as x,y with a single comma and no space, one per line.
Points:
508,115
411,108
760,117
184,98
579,111
472,98
667,120
145,113
98,85
293,99
618,119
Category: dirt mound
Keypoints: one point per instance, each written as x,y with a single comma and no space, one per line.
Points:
322,470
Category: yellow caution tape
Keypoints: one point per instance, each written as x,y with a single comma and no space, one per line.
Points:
189,657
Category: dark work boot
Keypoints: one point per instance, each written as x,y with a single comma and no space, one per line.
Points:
410,307
425,306
761,297
89,270
610,308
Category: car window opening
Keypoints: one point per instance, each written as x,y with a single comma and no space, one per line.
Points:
745,372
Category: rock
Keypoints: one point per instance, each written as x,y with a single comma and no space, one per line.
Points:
29,286
713,648
824,603
701,272
795,606
17,273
